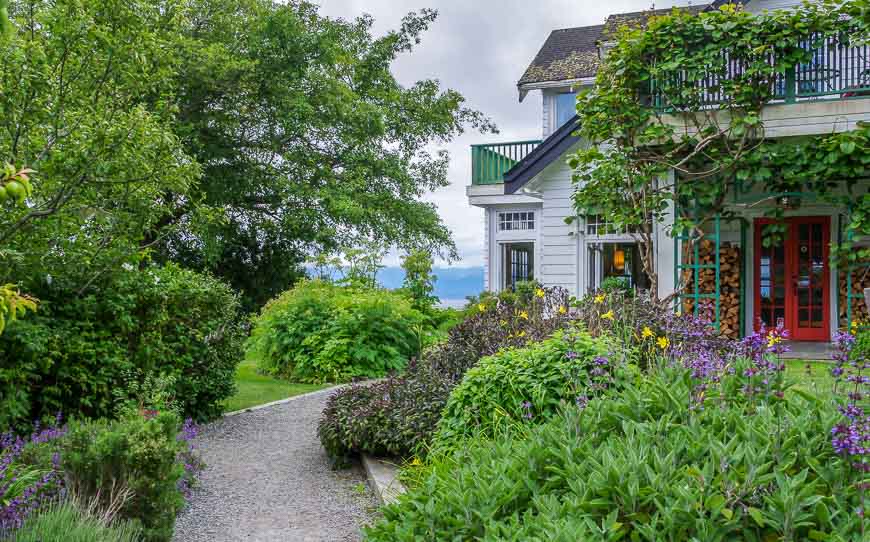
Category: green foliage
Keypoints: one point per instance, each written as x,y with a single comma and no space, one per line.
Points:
70,523
307,141
87,97
78,352
635,140
641,465
136,456
399,416
419,282
321,332
388,418
522,384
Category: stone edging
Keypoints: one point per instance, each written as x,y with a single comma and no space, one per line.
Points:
383,478
284,401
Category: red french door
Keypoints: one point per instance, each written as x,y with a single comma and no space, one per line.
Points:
792,280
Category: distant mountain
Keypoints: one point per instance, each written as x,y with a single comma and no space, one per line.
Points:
454,283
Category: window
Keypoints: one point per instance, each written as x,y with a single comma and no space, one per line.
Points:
517,264
514,221
598,225
616,261
566,108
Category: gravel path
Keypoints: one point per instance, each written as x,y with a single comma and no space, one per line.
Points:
268,478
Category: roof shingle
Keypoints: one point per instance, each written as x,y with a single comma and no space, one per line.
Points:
572,53
569,53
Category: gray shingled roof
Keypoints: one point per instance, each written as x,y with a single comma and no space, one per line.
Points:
640,18
572,53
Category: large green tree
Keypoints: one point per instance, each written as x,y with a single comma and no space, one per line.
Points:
87,101
307,142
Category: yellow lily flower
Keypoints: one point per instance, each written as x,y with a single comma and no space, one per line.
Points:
647,332
540,293
608,315
599,299
663,342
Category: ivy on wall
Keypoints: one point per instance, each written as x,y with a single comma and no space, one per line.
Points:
668,103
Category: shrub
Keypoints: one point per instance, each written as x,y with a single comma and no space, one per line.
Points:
642,464
387,418
523,384
139,456
319,332
75,351
70,523
399,416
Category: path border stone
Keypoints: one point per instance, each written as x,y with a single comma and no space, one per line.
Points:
284,401
383,478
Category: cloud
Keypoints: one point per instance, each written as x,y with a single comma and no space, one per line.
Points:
480,48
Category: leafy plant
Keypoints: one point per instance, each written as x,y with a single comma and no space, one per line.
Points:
641,464
77,352
138,455
321,332
526,384
419,282
399,416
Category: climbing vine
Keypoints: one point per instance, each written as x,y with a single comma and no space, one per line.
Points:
675,119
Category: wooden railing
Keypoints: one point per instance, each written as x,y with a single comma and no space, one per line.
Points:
834,71
490,162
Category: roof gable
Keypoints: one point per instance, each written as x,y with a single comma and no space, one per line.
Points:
569,53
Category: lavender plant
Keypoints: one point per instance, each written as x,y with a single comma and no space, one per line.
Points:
25,488
851,437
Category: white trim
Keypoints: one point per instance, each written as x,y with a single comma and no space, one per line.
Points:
581,81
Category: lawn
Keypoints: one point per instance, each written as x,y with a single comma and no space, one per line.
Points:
812,376
256,389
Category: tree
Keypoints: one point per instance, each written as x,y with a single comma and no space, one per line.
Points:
419,281
86,99
306,140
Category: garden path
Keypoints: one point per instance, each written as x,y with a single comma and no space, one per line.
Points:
268,479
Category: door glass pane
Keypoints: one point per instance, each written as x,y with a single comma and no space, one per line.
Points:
518,263
772,284
809,284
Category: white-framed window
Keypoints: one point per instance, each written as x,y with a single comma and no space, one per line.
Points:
517,263
597,225
516,221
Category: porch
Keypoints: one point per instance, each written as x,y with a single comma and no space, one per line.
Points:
746,269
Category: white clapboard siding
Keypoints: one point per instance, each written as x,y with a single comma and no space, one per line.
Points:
558,243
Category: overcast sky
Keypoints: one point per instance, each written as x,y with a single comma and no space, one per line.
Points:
481,48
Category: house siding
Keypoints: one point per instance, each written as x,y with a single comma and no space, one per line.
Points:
559,254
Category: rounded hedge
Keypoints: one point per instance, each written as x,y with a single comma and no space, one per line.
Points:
80,354
524,384
321,332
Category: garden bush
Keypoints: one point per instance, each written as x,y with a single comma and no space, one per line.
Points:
77,352
646,463
141,466
321,332
399,416
524,384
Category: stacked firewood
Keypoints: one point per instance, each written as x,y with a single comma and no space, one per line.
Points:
860,280
729,285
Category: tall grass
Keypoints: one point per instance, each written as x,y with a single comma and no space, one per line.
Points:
68,521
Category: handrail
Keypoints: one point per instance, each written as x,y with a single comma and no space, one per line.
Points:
490,161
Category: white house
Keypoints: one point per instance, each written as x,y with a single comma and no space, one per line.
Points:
525,189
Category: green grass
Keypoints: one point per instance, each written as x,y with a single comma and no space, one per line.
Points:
256,389
811,376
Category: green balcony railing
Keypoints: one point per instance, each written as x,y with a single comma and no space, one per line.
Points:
835,71
491,161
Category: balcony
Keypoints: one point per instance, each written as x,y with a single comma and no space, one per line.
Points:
491,161
834,71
